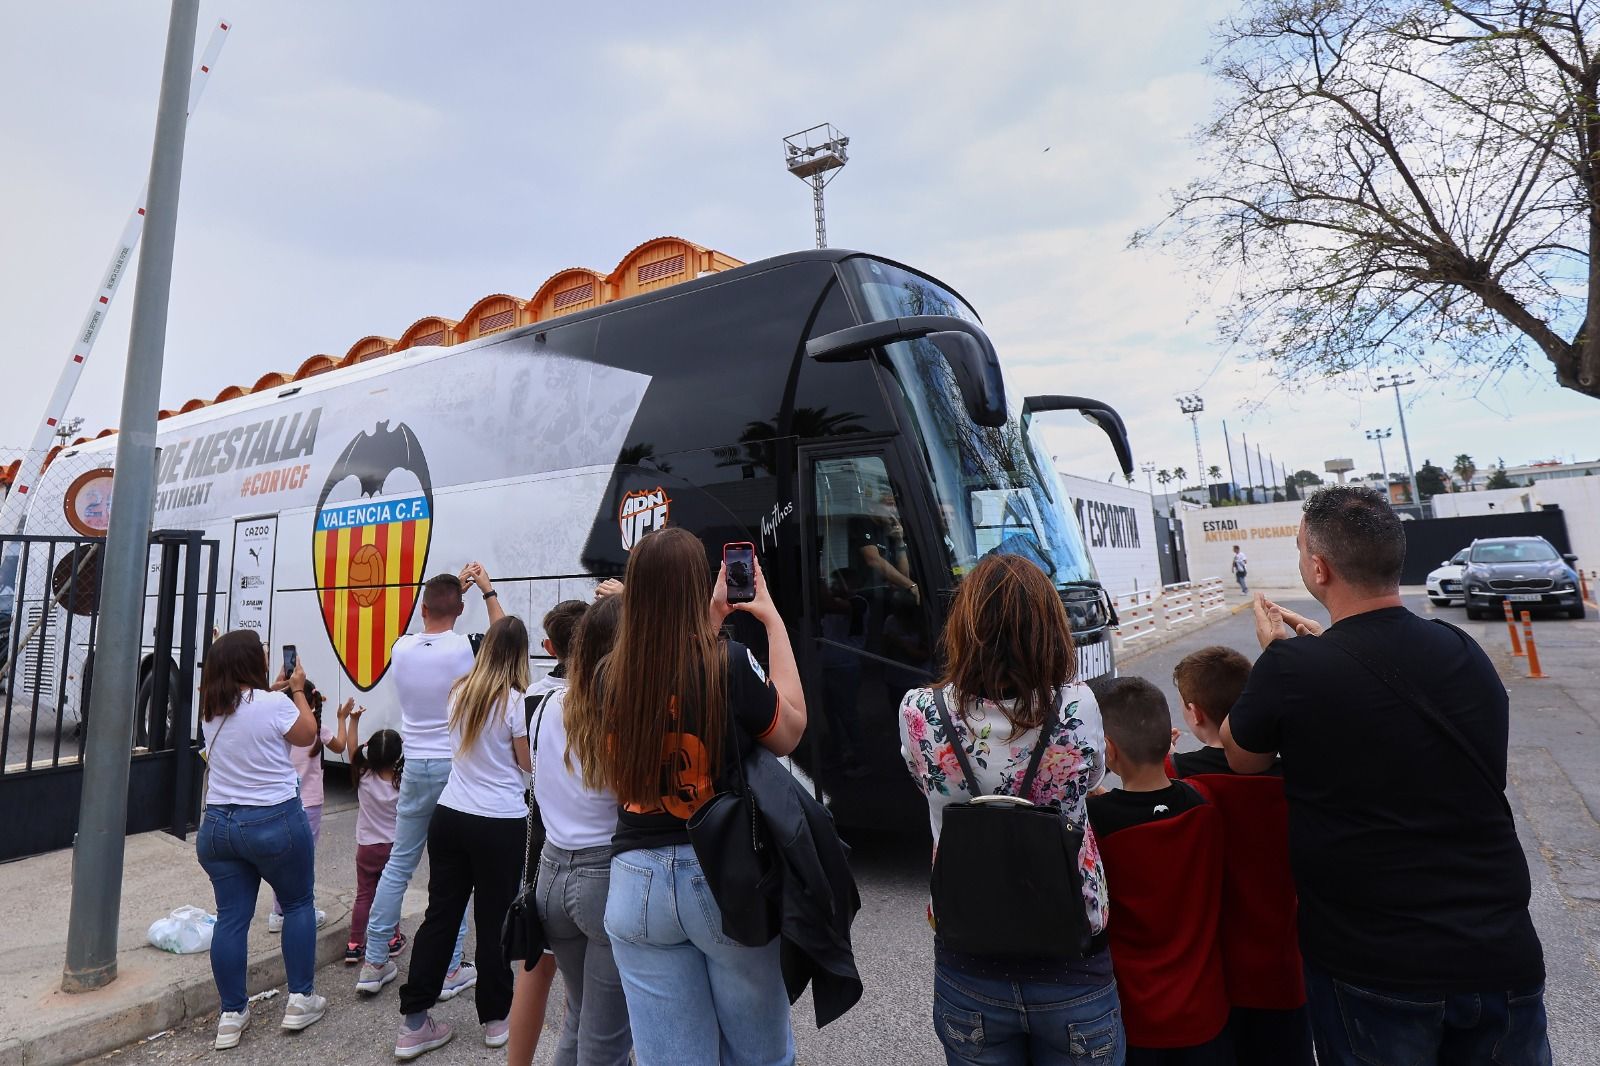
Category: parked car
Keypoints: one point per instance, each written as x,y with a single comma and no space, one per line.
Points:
1528,572
1444,584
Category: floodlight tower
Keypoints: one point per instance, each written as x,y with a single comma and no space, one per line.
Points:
1381,435
816,156
1192,406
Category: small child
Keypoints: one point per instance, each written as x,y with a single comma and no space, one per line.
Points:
308,766
1161,844
375,768
1260,947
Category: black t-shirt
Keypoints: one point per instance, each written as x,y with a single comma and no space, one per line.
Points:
1212,761
1121,809
1409,872
686,781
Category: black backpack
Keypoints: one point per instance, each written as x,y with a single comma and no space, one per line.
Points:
1005,879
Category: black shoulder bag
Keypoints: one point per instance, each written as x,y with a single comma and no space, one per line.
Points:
1417,700
730,839
522,933
1005,878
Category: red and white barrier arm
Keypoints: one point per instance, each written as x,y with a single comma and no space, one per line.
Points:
28,470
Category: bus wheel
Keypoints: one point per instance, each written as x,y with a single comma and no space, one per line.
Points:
151,727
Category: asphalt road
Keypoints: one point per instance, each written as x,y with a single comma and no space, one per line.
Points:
892,1023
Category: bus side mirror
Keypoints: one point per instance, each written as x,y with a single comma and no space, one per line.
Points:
1101,414
965,347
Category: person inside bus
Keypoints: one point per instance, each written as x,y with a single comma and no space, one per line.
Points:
878,550
425,667
254,828
678,707
1011,670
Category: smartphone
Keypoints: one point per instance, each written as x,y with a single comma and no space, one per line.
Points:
290,657
740,560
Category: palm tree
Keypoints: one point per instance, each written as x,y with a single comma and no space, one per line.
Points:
1164,478
1465,469
1179,474
1214,473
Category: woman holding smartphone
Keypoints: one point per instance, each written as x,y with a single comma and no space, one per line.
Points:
254,828
678,706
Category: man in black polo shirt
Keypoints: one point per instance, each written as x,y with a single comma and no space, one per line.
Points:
1392,729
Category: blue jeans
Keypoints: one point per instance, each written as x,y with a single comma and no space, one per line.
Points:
420,786
995,1022
694,995
1355,1026
239,847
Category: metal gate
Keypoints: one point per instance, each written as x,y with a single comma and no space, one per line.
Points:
49,616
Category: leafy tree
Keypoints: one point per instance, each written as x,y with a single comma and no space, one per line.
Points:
1465,469
1375,477
1430,479
1403,177
1304,478
1498,478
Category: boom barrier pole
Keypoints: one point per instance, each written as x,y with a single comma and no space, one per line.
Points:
97,852
15,508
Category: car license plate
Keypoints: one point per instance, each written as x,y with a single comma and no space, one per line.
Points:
1525,597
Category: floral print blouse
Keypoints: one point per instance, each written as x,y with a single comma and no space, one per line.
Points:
1072,767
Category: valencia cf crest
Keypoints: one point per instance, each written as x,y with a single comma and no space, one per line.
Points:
370,547
642,512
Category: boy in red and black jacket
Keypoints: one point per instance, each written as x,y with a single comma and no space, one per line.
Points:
1161,844
1260,947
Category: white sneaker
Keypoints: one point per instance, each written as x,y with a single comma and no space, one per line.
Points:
304,1010
458,981
372,978
230,1027
275,920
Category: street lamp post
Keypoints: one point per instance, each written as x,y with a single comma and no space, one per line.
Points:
1192,405
1395,382
1381,435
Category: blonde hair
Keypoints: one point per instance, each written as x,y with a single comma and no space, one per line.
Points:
501,666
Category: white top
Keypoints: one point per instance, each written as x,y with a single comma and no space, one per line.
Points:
485,780
574,817
309,769
250,763
380,804
425,666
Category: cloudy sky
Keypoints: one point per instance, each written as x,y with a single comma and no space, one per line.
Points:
356,166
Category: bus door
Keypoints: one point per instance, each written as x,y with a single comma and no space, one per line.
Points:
870,590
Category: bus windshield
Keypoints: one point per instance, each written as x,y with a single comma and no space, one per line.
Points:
996,487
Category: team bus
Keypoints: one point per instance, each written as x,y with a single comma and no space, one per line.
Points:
844,413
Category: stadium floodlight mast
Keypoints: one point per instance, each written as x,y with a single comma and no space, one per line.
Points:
1192,406
1381,435
1396,382
816,156
1149,477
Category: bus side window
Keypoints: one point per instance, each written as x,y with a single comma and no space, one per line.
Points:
866,569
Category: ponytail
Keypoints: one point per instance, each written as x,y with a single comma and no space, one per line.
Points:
382,751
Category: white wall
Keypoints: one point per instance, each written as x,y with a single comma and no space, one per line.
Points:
1578,498
1264,531
1120,531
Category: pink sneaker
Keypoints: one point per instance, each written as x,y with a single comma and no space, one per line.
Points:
411,1043
496,1034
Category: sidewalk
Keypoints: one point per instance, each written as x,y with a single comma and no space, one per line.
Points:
154,990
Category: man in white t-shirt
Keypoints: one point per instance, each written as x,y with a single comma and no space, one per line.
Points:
1241,566
425,666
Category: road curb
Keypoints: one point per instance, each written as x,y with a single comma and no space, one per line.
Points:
166,1007
1164,637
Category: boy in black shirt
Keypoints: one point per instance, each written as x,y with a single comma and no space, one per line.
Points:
1163,928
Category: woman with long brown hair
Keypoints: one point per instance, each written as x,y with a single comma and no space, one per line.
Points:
475,842
254,827
678,707
1010,684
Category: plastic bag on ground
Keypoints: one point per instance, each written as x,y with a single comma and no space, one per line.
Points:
185,931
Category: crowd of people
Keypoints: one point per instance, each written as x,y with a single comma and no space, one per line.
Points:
1334,868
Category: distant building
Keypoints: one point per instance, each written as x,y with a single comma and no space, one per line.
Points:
1548,471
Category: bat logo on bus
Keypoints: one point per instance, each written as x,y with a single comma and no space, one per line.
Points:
642,512
370,552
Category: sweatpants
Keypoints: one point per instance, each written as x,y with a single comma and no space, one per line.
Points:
370,859
468,855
